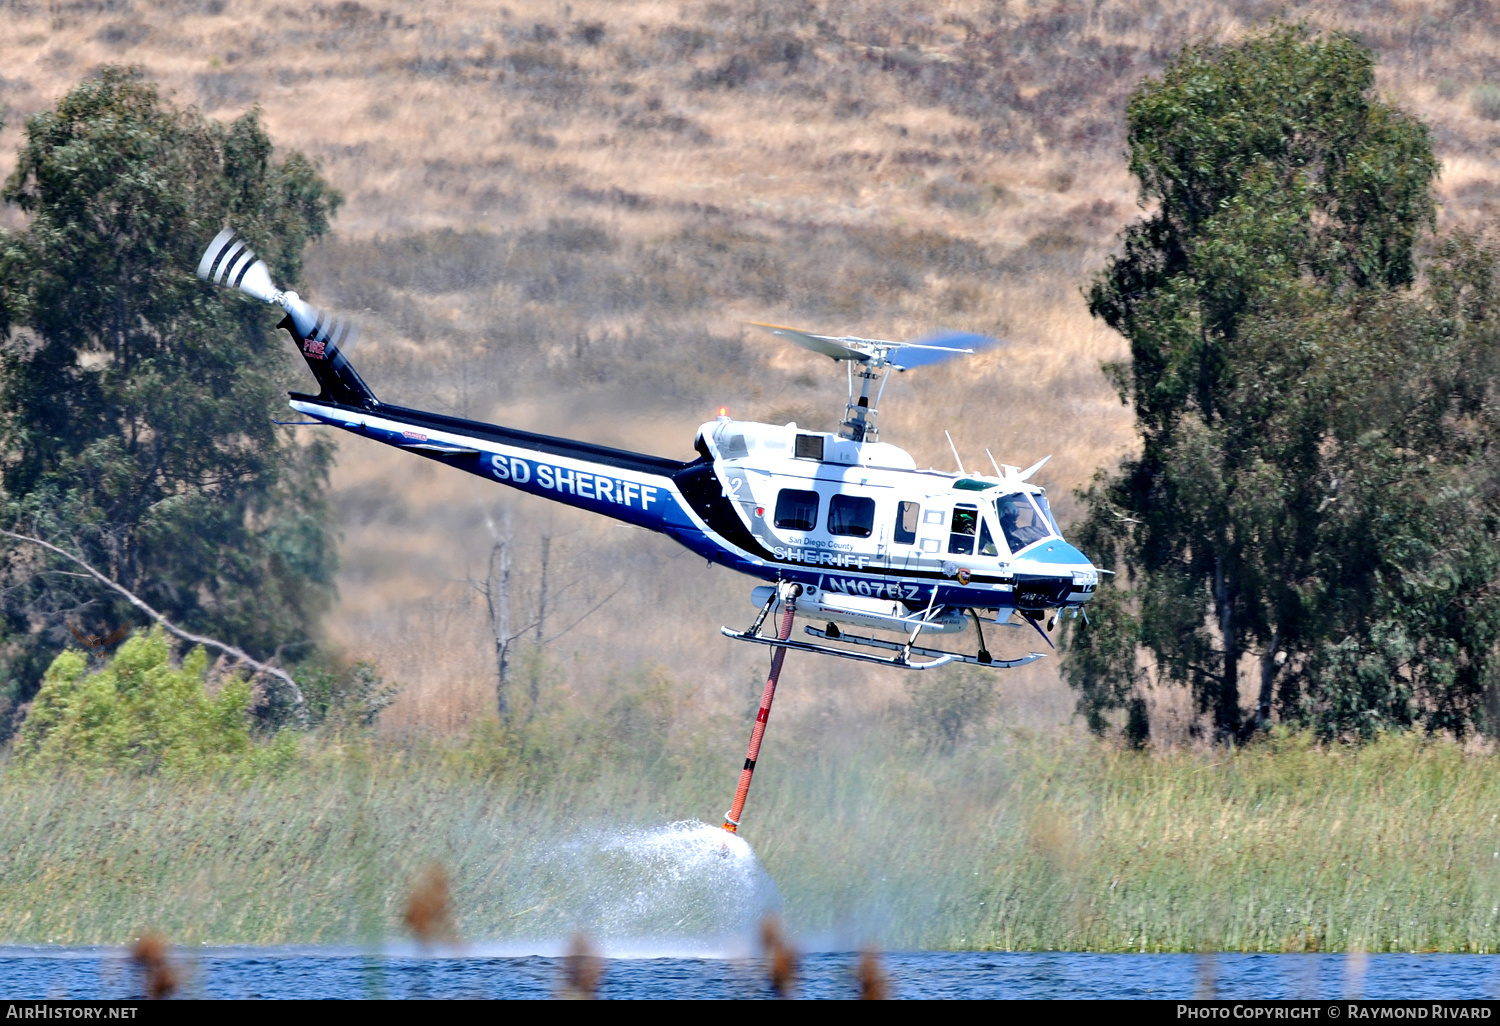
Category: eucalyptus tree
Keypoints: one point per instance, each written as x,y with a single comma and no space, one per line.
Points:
135,404
1312,494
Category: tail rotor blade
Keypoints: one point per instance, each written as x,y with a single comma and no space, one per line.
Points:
304,315
329,336
229,260
344,336
338,336
214,251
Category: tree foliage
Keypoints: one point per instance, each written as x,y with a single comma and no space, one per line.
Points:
1314,494
135,403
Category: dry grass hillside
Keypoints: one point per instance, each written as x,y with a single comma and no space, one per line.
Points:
559,215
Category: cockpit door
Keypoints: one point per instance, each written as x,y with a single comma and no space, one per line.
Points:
906,526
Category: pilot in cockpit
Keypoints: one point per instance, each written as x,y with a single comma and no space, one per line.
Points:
1019,521
1008,517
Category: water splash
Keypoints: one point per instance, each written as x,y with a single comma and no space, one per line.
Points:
684,886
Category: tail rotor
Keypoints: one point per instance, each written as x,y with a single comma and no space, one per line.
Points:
325,341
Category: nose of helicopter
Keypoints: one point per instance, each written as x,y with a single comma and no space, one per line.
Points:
1061,572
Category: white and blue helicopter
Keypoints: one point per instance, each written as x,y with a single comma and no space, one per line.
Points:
872,541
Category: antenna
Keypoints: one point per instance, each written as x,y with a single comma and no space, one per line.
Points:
1038,465
956,457
994,464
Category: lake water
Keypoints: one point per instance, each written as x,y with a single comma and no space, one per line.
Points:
511,972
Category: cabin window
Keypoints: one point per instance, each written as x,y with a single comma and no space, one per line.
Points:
852,515
809,447
1022,523
987,546
907,516
796,510
961,534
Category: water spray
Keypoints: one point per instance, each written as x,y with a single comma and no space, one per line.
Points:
788,593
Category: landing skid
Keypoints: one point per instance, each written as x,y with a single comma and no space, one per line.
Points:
942,657
901,660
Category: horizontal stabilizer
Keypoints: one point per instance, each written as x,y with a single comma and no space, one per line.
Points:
450,450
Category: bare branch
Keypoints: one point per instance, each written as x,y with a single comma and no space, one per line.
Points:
592,610
188,636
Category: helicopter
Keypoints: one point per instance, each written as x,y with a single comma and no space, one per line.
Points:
865,538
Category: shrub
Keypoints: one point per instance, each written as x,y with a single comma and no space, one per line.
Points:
141,712
1485,101
964,197
349,698
947,707
590,33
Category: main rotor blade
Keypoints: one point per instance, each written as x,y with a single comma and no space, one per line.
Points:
824,345
940,346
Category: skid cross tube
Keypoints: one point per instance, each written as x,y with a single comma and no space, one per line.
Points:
788,594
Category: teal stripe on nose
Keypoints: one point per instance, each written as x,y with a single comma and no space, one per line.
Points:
1057,551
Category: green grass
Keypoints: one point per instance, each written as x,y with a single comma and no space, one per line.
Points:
1015,842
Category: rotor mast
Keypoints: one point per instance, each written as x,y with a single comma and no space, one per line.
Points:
875,359
859,416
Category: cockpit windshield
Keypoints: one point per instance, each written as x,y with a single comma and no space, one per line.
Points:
1041,503
1022,522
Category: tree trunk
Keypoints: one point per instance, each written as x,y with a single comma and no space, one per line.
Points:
535,686
541,599
1269,667
497,598
1227,710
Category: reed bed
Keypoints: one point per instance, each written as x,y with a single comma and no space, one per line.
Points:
1015,841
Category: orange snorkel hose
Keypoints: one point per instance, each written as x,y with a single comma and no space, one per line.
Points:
789,599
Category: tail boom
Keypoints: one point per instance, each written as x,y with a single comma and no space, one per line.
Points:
631,487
